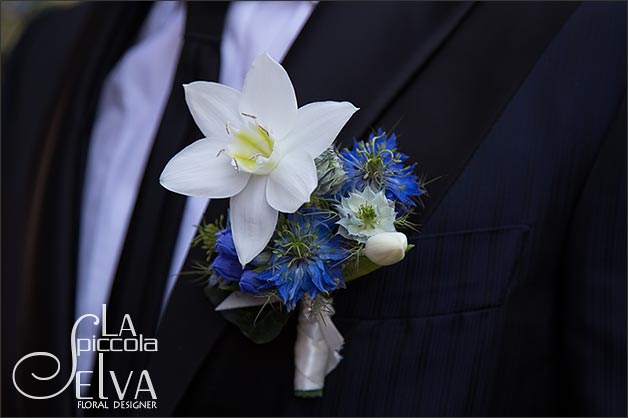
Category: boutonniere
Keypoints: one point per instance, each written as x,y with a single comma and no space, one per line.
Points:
304,218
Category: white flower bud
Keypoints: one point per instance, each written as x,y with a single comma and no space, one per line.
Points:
386,248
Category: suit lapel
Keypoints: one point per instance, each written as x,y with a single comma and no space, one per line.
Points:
366,53
447,110
321,69
391,55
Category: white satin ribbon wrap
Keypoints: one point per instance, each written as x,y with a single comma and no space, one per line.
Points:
317,349
318,345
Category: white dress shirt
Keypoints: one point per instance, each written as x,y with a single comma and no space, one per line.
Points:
130,108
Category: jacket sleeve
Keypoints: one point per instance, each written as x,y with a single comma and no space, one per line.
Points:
593,295
31,74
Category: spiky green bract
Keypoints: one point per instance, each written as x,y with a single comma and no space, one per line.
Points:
330,173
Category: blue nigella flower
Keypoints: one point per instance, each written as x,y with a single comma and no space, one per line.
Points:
226,263
377,163
306,259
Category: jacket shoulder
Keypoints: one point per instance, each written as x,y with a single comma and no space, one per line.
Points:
50,34
33,71
37,61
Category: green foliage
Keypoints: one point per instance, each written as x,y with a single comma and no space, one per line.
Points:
404,222
260,325
361,267
206,236
308,393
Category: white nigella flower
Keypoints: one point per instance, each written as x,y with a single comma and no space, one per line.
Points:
258,150
365,214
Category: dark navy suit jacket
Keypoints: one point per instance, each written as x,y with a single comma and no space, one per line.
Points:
513,301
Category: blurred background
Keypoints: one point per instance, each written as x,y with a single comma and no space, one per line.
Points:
17,13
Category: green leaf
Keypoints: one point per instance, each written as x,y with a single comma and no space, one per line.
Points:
261,324
206,236
362,267
309,393
228,286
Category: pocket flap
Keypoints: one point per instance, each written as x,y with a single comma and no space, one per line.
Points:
445,273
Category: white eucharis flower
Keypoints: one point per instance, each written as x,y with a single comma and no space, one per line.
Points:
258,150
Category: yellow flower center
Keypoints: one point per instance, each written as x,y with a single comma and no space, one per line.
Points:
253,150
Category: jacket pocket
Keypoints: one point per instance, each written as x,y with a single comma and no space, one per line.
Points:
445,273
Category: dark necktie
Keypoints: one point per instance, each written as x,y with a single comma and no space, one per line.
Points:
144,264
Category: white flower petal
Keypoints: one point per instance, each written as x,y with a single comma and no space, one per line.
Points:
237,300
212,106
318,124
292,182
268,95
253,220
201,169
386,248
